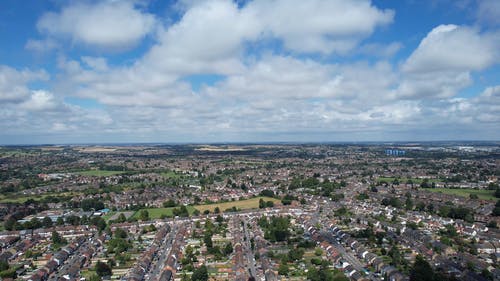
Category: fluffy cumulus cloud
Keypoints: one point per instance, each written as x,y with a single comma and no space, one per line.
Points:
278,75
441,65
451,47
323,26
13,83
107,24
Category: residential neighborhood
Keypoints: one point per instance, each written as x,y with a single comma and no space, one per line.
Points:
250,212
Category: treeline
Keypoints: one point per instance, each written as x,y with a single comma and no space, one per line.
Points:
46,222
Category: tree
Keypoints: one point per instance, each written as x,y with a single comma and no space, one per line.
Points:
169,203
497,193
283,269
496,210
262,203
102,269
267,193
200,274
228,249
219,219
216,210
121,218
57,238
208,240
47,222
421,271
10,223
59,221
473,196
99,222
144,215
120,233
4,265
296,254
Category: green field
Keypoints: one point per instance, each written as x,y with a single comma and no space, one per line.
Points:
99,173
170,175
156,213
404,180
481,193
21,198
253,203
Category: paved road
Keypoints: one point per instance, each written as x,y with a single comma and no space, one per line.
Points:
248,250
163,252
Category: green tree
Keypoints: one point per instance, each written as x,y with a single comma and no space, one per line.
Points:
228,249
262,203
497,193
47,222
200,274
421,270
57,238
10,223
496,210
144,215
169,203
283,269
208,240
102,269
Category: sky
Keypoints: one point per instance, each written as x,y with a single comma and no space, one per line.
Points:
200,71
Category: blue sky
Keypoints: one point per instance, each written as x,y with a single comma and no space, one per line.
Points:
249,71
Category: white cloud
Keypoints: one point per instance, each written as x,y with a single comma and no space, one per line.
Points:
40,100
451,47
323,26
108,24
441,65
13,83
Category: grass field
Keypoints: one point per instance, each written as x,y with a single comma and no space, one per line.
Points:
170,175
156,213
404,180
481,193
99,173
253,203
20,198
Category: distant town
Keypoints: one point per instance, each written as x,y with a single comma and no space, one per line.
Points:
367,211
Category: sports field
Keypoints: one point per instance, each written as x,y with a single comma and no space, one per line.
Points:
253,203
99,173
465,192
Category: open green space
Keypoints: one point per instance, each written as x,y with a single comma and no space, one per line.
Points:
405,180
253,203
99,173
21,198
465,192
156,213
171,175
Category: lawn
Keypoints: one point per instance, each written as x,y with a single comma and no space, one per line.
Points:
404,180
465,192
170,175
21,198
156,213
253,203
99,173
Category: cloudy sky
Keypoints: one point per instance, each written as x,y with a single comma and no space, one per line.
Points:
249,71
